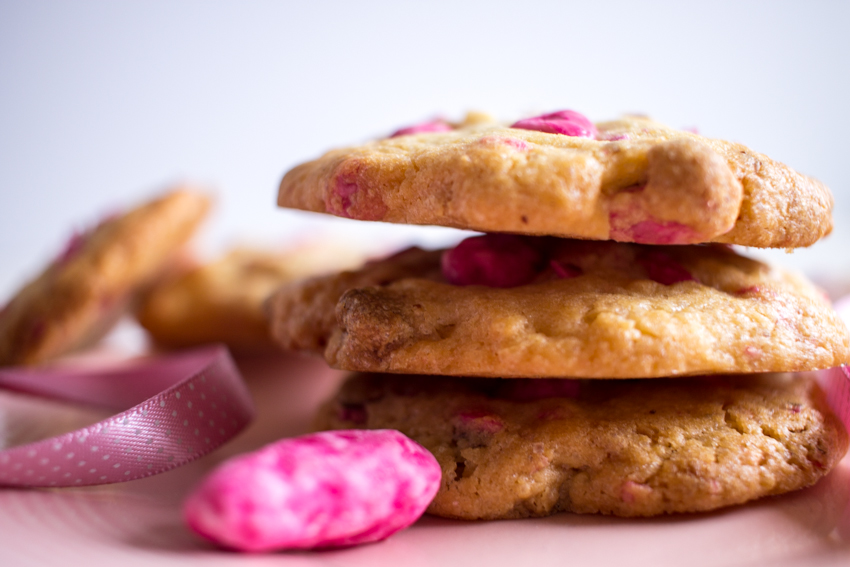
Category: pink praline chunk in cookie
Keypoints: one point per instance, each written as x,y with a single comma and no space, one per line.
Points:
349,195
494,260
355,413
72,247
480,421
654,232
631,491
663,269
565,271
345,190
756,291
424,128
566,122
330,489
611,136
515,143
341,200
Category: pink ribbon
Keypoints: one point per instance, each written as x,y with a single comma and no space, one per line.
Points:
183,407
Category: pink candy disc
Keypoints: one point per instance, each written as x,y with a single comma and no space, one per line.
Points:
495,260
184,406
330,489
566,122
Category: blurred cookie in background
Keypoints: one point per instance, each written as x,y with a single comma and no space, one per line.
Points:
98,274
223,301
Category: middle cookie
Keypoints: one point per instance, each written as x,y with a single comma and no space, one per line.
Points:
510,306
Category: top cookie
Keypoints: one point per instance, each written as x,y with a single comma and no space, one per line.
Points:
630,180
88,286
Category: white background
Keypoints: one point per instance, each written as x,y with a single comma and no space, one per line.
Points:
101,103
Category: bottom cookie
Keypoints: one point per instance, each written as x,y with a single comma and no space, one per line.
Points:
534,447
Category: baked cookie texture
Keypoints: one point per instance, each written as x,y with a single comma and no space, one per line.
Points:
302,315
634,180
223,301
91,283
519,448
592,310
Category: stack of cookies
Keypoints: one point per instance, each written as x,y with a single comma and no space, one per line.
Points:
602,348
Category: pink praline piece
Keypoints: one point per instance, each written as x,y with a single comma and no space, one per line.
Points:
73,247
515,143
631,491
565,271
355,413
423,128
345,189
663,269
480,421
611,136
566,122
329,489
494,260
350,199
654,232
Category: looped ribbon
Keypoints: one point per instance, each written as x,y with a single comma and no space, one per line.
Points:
182,407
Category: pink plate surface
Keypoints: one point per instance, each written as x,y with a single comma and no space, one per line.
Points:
139,523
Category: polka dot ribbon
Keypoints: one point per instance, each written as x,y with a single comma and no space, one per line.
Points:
183,407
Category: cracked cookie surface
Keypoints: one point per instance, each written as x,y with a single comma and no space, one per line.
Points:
633,180
519,448
590,310
83,291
